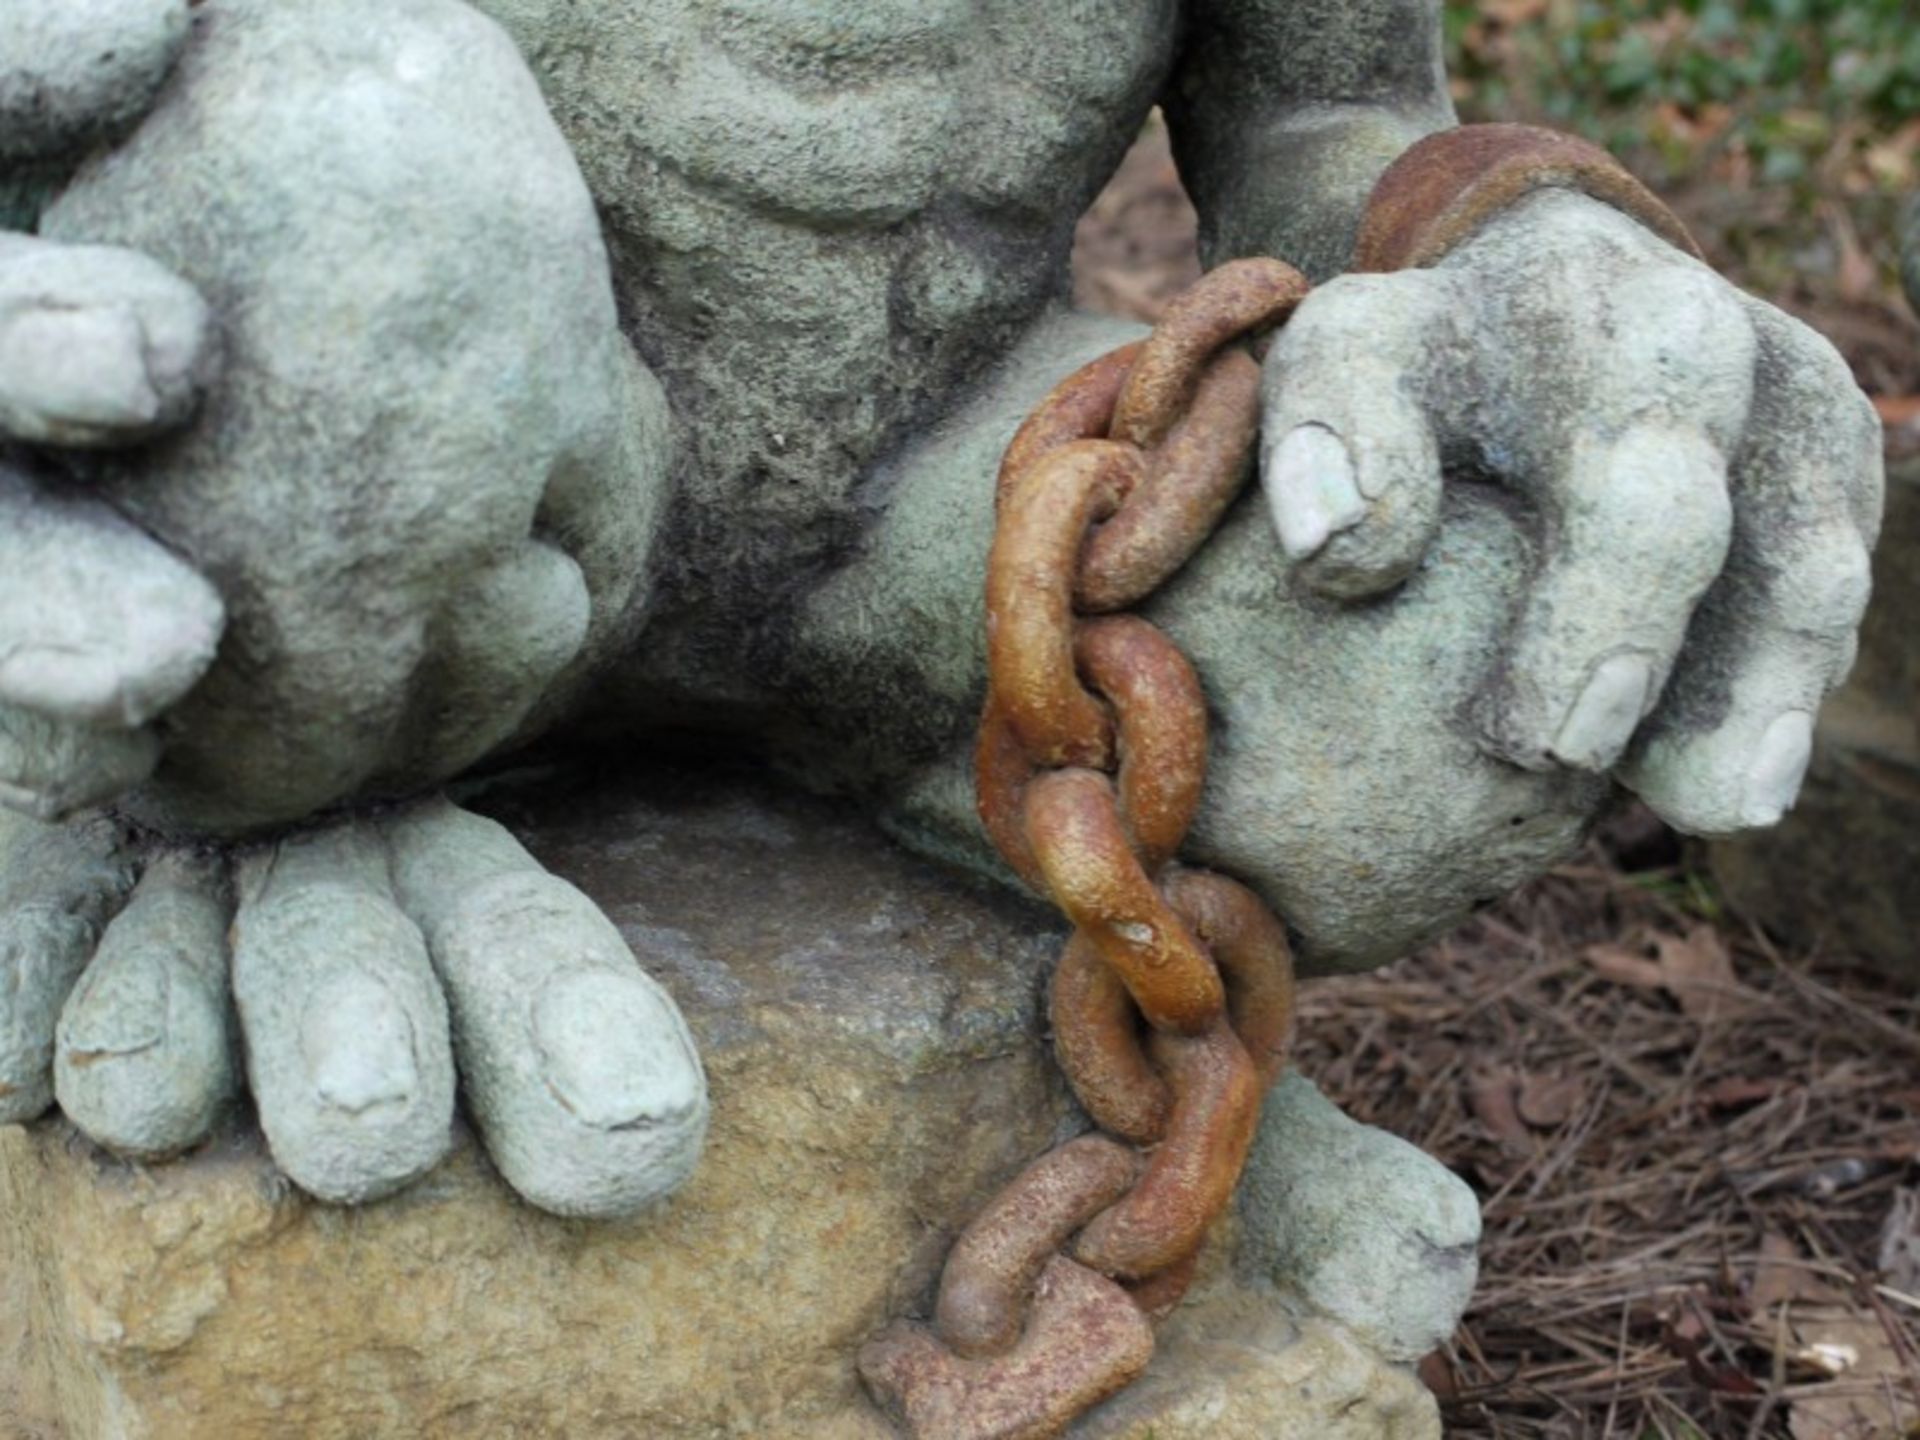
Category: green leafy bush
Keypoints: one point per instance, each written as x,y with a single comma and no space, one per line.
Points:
1789,130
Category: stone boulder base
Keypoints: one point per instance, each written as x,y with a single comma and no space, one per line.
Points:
870,1031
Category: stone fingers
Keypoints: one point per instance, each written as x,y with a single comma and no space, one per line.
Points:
99,346
52,768
579,1072
1616,415
145,1059
347,1045
74,72
99,624
1730,743
364,956
515,626
1639,525
58,885
101,629
1350,460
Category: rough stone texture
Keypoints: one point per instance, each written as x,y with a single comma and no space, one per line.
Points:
1367,822
97,346
1368,1229
870,1031
76,71
1841,871
826,224
427,480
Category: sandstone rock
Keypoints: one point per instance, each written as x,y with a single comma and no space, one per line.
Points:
1840,870
870,1031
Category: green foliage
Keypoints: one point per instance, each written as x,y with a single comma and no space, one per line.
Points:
1810,106
1797,71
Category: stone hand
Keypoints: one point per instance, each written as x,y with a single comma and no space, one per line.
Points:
101,628
402,525
1696,473
392,528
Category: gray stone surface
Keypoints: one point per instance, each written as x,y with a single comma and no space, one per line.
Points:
365,958
872,1027
1364,1227
58,889
604,1111
429,451
348,1055
1368,824
76,71
145,1056
104,627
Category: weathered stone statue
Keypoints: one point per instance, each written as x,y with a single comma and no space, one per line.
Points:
392,383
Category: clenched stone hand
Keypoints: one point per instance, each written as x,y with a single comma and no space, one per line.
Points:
337,474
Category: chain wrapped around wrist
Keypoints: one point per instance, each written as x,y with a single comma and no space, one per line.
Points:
1172,1004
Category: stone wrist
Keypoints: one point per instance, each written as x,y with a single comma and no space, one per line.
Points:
1444,188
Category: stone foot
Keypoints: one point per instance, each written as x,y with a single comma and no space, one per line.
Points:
369,964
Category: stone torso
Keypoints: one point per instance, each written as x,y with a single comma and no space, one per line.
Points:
826,218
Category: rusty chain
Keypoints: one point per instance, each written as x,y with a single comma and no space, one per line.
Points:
1172,1003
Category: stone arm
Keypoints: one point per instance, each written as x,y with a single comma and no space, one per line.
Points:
1697,475
1645,564
1284,113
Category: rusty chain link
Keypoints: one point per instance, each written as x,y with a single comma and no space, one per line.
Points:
1172,1004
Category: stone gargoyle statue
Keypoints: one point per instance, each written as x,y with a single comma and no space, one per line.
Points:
386,383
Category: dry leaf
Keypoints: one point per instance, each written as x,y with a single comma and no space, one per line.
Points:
1698,971
1780,1273
1738,1090
1854,1350
1687,1334
1436,1373
1774,1278
1694,968
1623,966
1547,1102
1513,12
1897,410
1857,275
1492,1095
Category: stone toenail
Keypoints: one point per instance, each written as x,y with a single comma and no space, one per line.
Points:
358,1045
1778,767
121,1014
612,1050
1604,716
